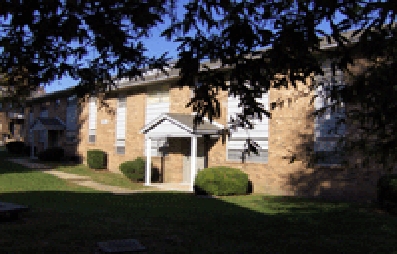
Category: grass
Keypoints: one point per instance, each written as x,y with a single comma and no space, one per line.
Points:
104,177
100,176
65,218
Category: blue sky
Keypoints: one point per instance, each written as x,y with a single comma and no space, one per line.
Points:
155,44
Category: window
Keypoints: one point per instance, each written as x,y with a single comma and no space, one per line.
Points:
158,95
92,120
120,149
121,124
327,129
71,119
236,144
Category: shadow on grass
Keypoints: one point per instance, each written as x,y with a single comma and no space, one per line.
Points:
72,222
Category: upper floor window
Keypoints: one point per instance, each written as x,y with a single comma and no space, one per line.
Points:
158,94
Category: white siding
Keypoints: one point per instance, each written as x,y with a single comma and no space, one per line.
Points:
71,115
92,120
71,119
327,132
157,102
259,134
43,133
121,124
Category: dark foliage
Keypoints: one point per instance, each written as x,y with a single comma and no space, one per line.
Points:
221,181
96,159
52,154
134,170
15,147
387,191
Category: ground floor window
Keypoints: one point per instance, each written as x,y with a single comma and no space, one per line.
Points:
238,151
120,146
91,136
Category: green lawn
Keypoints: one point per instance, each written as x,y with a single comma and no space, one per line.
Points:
65,218
104,177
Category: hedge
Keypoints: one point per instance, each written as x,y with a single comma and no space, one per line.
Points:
96,159
221,181
134,170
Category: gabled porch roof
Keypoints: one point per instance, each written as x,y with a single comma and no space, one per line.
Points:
47,123
180,125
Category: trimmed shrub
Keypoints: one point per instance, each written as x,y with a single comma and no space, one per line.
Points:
96,159
134,170
387,191
52,154
221,181
15,147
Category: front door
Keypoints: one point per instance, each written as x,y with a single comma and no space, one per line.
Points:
53,138
200,161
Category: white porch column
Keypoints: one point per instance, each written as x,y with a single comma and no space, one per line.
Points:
31,144
148,161
193,159
46,140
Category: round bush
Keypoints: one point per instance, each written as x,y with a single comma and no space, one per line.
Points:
134,170
96,159
387,190
221,181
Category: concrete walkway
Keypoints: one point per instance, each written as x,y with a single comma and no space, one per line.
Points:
87,182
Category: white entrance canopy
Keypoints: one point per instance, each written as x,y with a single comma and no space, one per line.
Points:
45,124
178,125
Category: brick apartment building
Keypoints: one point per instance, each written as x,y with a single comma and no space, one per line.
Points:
12,119
149,114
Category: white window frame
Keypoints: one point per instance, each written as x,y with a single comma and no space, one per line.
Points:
92,118
120,137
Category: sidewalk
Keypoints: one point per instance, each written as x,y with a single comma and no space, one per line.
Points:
78,179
